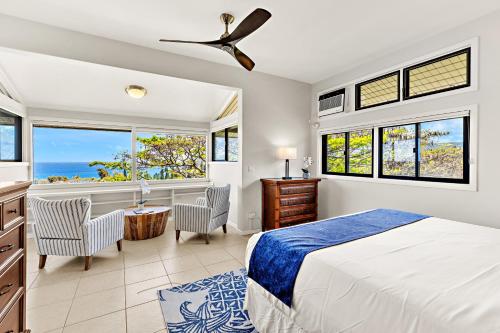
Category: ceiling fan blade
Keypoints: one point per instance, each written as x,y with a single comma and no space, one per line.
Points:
251,23
209,43
243,59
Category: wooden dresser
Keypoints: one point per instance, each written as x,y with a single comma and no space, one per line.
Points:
13,257
288,201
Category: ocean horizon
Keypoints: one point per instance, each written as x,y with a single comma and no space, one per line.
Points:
43,170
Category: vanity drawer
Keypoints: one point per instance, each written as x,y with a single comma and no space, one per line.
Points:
10,282
10,243
12,321
12,209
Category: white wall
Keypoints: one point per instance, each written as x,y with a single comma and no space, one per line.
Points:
481,207
275,110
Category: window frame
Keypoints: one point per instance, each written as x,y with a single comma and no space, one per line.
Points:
134,129
324,159
416,151
357,90
406,76
18,140
226,145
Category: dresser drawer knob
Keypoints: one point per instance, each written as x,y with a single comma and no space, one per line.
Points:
6,248
12,211
5,289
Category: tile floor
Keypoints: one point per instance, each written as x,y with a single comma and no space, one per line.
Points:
118,294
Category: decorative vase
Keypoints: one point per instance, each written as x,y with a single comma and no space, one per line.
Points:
305,175
140,205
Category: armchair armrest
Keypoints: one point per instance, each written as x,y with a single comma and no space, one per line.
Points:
103,231
201,201
192,218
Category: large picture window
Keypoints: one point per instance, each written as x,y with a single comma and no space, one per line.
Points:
225,145
10,137
162,156
80,155
378,91
348,153
445,73
91,155
431,151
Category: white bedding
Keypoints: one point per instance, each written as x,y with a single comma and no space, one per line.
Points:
434,275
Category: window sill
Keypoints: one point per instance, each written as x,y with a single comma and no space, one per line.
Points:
13,164
123,185
449,186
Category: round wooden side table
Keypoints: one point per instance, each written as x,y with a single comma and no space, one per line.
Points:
148,223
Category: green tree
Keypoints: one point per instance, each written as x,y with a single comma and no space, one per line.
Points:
177,156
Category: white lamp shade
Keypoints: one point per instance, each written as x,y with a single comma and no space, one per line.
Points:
287,153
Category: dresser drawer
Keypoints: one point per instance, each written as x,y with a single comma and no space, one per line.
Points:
12,210
10,282
299,199
296,189
297,210
286,221
10,243
11,322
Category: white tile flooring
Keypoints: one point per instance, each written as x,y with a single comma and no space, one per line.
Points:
118,294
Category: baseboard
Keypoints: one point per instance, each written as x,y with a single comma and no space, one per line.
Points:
243,232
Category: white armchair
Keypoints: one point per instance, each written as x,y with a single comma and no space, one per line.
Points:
206,215
64,228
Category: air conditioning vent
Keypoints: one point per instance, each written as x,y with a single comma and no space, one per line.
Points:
332,102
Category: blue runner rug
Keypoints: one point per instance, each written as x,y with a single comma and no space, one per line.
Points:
278,255
213,305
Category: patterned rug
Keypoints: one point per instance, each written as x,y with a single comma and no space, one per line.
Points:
211,305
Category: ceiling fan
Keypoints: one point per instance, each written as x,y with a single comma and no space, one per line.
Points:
227,41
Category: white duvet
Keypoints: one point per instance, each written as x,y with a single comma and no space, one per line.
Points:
434,275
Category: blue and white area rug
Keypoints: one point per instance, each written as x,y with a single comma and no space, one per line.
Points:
211,305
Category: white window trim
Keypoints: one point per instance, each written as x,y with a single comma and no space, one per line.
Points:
72,123
440,114
350,98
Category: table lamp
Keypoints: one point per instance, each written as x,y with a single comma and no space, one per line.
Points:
287,154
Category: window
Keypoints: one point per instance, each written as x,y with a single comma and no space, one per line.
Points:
379,91
162,156
80,155
432,151
10,137
445,73
349,153
225,145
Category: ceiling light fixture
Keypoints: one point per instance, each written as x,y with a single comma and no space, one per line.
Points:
135,91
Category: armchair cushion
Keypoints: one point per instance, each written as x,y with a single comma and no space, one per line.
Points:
103,231
192,218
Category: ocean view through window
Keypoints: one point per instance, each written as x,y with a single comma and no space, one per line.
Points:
88,155
77,155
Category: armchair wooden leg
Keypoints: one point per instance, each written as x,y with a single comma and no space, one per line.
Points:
224,228
88,262
42,260
177,234
206,239
119,245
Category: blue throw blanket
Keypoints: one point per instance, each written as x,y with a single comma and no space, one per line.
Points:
278,255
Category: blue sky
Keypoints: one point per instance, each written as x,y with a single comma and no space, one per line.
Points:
77,145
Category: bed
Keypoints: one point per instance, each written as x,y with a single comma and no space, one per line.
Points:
434,275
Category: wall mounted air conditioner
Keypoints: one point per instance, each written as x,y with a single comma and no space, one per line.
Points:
331,102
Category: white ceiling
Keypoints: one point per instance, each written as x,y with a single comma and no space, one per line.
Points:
50,82
304,40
